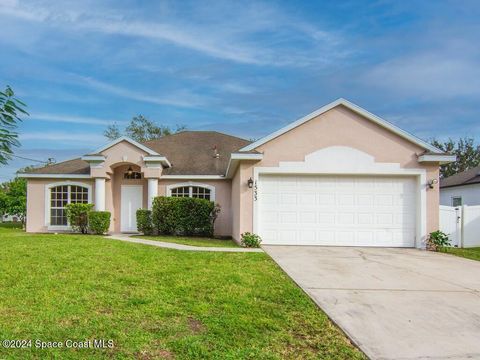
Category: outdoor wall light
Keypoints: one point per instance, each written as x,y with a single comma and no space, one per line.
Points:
129,171
431,183
250,183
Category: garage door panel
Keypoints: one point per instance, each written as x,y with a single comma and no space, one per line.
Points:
308,217
341,210
326,199
306,199
288,217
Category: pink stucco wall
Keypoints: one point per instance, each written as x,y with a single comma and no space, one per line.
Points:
337,127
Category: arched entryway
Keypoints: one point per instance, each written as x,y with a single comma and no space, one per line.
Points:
129,188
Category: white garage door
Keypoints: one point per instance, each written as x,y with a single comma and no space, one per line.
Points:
337,210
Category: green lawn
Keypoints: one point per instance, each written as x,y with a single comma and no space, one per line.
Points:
11,225
469,253
155,303
193,241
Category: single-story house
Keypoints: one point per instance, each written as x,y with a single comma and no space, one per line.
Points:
461,189
338,176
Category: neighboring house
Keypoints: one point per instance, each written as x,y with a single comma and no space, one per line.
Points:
10,218
461,189
338,176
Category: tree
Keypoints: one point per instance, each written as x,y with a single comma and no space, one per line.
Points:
467,152
3,203
112,132
16,198
10,111
141,129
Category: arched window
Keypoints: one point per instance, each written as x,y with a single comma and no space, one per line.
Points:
191,189
59,195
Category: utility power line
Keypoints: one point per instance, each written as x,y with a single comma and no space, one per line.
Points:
26,158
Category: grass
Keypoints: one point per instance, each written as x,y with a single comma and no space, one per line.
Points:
469,253
11,225
155,303
192,241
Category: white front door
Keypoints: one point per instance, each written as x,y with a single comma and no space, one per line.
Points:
132,200
337,210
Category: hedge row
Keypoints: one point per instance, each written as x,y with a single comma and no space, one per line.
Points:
82,219
179,216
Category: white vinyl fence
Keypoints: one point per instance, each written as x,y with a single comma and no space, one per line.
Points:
462,224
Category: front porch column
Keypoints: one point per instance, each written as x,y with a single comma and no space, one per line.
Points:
99,194
152,191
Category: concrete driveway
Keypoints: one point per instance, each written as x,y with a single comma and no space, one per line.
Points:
393,303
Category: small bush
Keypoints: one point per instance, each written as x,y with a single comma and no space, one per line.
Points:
184,216
77,215
437,240
164,215
144,221
251,240
99,221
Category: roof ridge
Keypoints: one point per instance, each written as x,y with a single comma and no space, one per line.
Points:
475,170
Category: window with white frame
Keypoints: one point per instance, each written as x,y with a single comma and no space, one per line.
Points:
195,191
62,195
457,201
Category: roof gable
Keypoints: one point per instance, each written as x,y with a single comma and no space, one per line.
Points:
355,108
126,139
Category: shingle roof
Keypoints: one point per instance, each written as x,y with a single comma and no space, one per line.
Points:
75,166
193,153
189,152
471,176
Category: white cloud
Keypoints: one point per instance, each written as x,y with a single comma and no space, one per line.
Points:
435,74
63,136
181,98
229,33
73,119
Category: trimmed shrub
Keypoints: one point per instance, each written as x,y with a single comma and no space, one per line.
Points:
144,221
99,221
251,240
184,216
77,215
164,215
437,240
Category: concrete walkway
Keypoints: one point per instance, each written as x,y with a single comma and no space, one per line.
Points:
168,245
393,303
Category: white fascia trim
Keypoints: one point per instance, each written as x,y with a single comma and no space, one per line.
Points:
54,176
444,159
93,158
240,156
194,177
161,159
231,167
236,157
374,118
127,139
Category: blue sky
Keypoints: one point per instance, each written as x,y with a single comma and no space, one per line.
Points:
244,68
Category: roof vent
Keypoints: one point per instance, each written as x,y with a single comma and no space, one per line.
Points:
216,155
